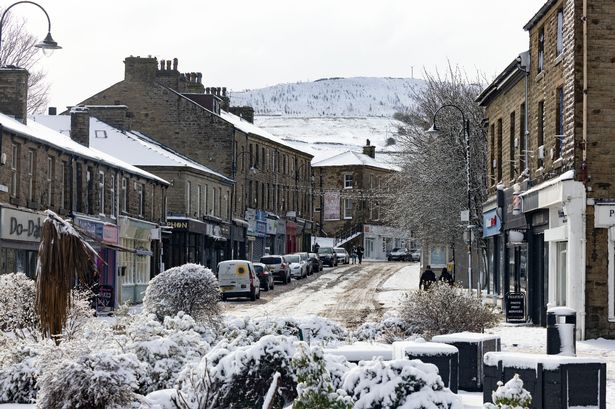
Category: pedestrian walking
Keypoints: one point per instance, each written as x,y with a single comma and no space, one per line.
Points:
427,279
353,255
315,247
360,252
446,277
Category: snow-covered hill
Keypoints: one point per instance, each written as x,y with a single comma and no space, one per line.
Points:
332,97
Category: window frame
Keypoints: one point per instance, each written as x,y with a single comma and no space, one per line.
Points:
347,206
50,172
559,32
101,192
541,50
346,179
14,188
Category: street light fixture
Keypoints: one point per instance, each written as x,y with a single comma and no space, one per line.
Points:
48,44
433,130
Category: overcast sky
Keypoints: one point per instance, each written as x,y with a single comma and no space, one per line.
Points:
254,43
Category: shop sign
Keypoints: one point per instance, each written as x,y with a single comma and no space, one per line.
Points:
332,206
251,219
516,307
110,234
272,226
604,215
261,227
22,226
492,224
179,224
94,229
104,300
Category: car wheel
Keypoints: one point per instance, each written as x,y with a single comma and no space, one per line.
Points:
223,297
272,284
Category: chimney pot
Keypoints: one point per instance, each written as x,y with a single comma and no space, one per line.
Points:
175,64
223,91
199,77
161,65
168,65
53,111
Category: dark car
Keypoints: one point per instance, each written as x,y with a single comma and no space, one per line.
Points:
399,254
278,267
327,256
315,262
264,275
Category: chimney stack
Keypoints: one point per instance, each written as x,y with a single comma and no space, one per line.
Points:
80,125
369,150
53,111
140,69
174,64
14,92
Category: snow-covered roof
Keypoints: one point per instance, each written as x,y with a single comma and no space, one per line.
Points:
131,146
350,158
48,136
250,128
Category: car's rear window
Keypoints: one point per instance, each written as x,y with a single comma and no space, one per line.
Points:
325,250
271,260
258,269
293,258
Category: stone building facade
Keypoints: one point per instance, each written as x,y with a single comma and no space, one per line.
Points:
567,191
348,195
119,206
177,110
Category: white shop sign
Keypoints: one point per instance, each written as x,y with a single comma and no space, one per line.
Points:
21,226
604,215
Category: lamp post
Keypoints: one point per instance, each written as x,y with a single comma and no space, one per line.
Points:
466,130
48,43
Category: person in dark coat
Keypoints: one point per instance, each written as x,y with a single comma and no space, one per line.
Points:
446,277
360,252
427,279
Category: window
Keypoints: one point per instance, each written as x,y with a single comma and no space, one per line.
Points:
101,192
559,40
492,154
141,195
199,192
79,185
124,194
559,123
113,197
213,199
219,202
14,170
541,50
205,199
64,186
90,192
347,208
511,146
264,159
30,175
541,133
188,198
522,138
499,157
348,181
50,170
562,247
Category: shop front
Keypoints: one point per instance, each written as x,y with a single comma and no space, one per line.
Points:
104,238
20,236
238,239
140,262
492,228
272,228
280,237
187,244
291,236
257,233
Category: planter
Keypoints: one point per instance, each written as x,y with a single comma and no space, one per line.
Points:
445,357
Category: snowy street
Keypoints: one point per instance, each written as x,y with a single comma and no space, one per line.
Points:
350,294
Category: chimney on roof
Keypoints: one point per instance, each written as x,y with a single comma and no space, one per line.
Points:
245,112
175,64
161,65
53,111
168,65
14,92
80,125
139,69
369,150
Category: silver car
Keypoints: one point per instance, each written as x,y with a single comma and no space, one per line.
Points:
298,267
342,255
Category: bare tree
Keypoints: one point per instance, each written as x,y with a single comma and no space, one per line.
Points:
433,177
18,49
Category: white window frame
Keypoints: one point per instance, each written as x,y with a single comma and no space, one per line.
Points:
30,175
559,32
50,167
141,196
561,273
348,177
188,198
199,194
124,201
113,198
347,209
101,192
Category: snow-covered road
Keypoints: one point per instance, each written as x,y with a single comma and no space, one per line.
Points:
350,294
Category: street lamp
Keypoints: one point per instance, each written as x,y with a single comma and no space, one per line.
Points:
48,44
466,130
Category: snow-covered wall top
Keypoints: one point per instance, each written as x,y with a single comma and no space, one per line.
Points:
531,361
469,337
332,97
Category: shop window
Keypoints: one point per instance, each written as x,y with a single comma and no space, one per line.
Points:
561,272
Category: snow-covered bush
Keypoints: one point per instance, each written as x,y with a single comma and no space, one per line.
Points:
446,309
401,383
19,371
391,328
190,288
96,380
315,387
17,311
240,378
512,395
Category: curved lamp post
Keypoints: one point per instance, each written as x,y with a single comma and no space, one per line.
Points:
466,131
48,44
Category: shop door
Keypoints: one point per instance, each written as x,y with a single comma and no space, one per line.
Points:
538,289
369,248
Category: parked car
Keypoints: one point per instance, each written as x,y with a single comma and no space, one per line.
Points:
415,255
237,278
298,267
263,273
305,257
278,267
342,255
328,256
315,262
399,254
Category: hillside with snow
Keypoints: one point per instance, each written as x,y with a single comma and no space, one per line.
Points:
331,115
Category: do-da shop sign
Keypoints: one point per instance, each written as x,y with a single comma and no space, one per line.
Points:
20,226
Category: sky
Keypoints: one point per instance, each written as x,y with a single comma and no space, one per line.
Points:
247,44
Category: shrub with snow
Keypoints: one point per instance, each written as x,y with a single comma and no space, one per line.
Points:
19,371
401,383
17,311
315,387
446,309
240,378
391,328
190,288
512,395
96,380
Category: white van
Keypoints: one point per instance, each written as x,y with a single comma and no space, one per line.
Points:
237,278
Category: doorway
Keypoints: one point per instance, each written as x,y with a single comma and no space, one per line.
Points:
538,278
